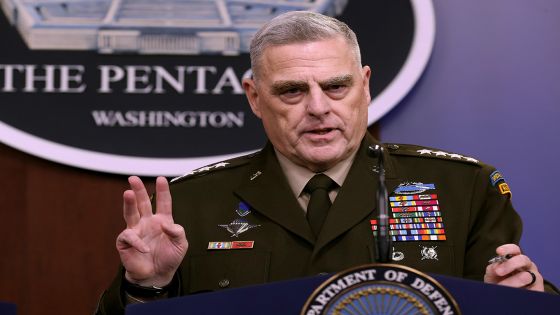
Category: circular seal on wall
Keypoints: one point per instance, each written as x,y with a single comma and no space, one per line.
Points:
134,87
380,289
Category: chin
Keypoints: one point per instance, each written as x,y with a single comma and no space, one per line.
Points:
320,163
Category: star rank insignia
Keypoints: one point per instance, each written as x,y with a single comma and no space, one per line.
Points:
201,170
446,154
208,168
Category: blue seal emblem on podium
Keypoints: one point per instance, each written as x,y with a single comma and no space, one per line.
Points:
377,289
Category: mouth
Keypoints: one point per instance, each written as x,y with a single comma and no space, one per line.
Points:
321,134
322,131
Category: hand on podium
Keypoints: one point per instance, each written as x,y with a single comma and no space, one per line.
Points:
152,246
512,268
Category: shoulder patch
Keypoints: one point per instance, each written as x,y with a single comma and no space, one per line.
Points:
419,151
503,188
495,177
227,164
498,181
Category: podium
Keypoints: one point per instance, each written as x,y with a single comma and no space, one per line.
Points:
7,308
288,297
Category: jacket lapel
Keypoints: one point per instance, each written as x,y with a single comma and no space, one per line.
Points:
392,176
268,192
357,199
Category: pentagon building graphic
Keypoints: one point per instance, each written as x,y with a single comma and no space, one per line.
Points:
184,27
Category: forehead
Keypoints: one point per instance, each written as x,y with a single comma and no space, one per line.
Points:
316,60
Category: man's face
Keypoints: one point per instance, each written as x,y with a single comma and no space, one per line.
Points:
312,99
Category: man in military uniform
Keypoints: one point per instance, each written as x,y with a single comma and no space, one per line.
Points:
256,218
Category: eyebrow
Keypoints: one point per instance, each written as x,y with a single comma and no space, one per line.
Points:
346,80
280,87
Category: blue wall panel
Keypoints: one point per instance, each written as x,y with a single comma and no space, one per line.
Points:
492,91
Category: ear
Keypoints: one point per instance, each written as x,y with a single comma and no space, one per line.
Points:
366,75
252,94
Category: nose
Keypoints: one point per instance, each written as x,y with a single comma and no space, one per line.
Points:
317,102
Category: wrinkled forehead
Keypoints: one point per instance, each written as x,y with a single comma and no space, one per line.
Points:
279,56
331,55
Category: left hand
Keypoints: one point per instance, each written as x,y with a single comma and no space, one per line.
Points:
515,271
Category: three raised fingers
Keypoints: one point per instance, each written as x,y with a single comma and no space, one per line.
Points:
163,196
143,203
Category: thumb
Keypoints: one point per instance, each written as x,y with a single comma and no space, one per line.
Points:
175,232
129,239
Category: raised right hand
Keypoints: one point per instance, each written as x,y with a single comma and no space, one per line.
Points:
152,246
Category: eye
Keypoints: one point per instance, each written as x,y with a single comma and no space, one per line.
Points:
292,96
291,92
336,91
336,88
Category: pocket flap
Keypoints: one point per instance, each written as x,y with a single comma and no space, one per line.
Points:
227,269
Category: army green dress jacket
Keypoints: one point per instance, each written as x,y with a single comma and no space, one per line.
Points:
460,207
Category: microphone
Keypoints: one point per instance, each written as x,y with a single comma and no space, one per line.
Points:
384,245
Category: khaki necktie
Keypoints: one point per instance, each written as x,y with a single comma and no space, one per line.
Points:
319,202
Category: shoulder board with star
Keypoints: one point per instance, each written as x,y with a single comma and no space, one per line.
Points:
420,151
223,165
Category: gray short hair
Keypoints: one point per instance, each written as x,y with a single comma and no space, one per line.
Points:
299,27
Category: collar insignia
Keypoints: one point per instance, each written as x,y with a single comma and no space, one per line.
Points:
257,174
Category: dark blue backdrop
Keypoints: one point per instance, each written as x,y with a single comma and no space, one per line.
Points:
492,91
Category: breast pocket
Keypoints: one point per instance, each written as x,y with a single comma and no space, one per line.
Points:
227,269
